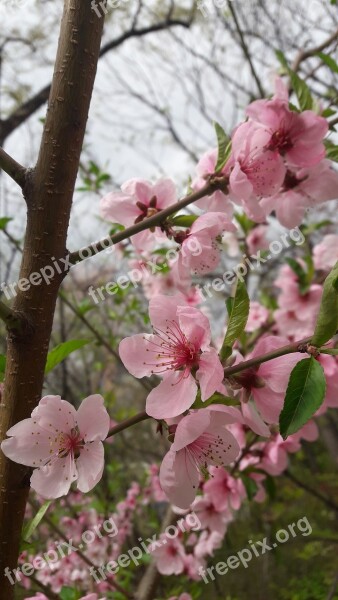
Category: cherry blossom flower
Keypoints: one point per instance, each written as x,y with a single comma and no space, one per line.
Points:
179,351
210,516
62,445
258,316
256,172
219,201
138,200
199,251
169,557
201,439
225,491
256,239
267,382
208,543
325,254
181,597
296,136
301,190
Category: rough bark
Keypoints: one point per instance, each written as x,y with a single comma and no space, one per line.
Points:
48,191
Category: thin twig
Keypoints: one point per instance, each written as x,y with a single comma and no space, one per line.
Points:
16,171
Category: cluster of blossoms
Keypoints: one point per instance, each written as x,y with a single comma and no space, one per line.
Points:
276,165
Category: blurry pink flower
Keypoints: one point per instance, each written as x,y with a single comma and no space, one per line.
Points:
218,201
199,251
267,383
209,515
169,557
225,491
325,254
139,200
179,347
301,190
181,597
208,543
256,172
201,439
256,240
62,444
296,136
258,316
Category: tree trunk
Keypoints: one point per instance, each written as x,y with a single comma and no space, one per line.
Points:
48,192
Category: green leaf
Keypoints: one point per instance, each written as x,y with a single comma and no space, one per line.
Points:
330,351
304,395
270,486
31,526
60,352
68,593
303,279
216,398
184,220
331,152
250,485
299,86
329,61
238,316
4,222
327,320
224,147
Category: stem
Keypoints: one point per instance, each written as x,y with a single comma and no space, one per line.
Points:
142,416
155,220
258,360
10,318
16,171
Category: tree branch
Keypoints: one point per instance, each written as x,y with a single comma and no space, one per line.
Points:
141,416
155,220
10,318
299,346
305,54
16,171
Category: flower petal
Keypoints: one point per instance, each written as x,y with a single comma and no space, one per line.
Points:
174,395
179,478
190,428
54,481
133,351
92,419
90,466
28,444
54,414
210,373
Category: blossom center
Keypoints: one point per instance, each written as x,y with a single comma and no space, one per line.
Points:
175,351
280,140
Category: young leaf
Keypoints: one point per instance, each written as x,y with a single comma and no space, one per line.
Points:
184,220
299,86
238,316
329,61
250,485
2,366
60,352
224,147
31,526
304,395
4,222
327,320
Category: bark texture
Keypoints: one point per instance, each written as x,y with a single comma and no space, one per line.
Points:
48,191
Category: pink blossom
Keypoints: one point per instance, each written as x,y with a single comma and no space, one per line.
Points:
325,254
301,190
258,316
169,557
199,251
256,239
139,200
225,491
208,543
179,346
201,439
296,136
256,172
62,444
181,597
267,383
218,201
210,516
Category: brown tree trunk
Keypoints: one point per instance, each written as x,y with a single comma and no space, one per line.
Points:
49,191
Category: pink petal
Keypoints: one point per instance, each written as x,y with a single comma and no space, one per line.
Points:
134,353
90,466
195,326
174,395
54,481
92,419
165,192
119,208
29,444
190,428
229,450
254,421
179,478
163,309
240,185
210,373
54,414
